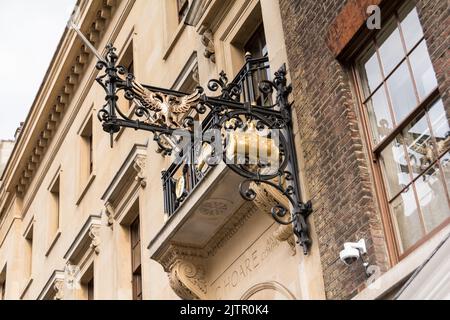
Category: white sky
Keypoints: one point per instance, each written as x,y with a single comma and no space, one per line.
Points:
30,31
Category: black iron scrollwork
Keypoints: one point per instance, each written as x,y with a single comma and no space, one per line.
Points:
163,111
229,91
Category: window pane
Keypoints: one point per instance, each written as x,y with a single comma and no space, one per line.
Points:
445,165
395,168
440,126
411,28
401,91
369,69
257,45
379,115
136,257
391,50
417,138
432,198
406,216
423,70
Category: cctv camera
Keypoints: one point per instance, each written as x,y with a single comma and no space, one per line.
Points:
352,251
349,255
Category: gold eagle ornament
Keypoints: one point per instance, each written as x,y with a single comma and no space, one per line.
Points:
166,107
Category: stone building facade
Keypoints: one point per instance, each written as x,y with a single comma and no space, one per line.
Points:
82,220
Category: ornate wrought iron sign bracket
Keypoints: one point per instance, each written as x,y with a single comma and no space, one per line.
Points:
254,138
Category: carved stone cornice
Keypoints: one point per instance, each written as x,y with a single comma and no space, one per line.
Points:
88,238
178,252
211,12
54,287
93,25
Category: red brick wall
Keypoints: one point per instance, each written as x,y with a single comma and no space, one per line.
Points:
435,18
336,160
347,23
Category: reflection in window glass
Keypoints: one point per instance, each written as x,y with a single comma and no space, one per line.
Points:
411,28
370,71
445,165
395,168
402,92
440,126
378,109
417,137
415,179
406,215
423,70
432,198
391,51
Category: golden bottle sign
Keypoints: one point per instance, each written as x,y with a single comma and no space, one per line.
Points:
253,146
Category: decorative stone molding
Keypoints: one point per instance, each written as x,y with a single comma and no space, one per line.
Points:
286,233
139,167
185,271
232,226
184,254
110,213
94,234
208,41
58,286
72,276
266,198
272,285
178,252
188,280
185,265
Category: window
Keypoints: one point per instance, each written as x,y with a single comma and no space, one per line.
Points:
2,290
191,81
255,49
3,284
257,45
186,82
87,283
126,61
29,247
87,150
136,259
90,289
408,127
55,206
182,9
